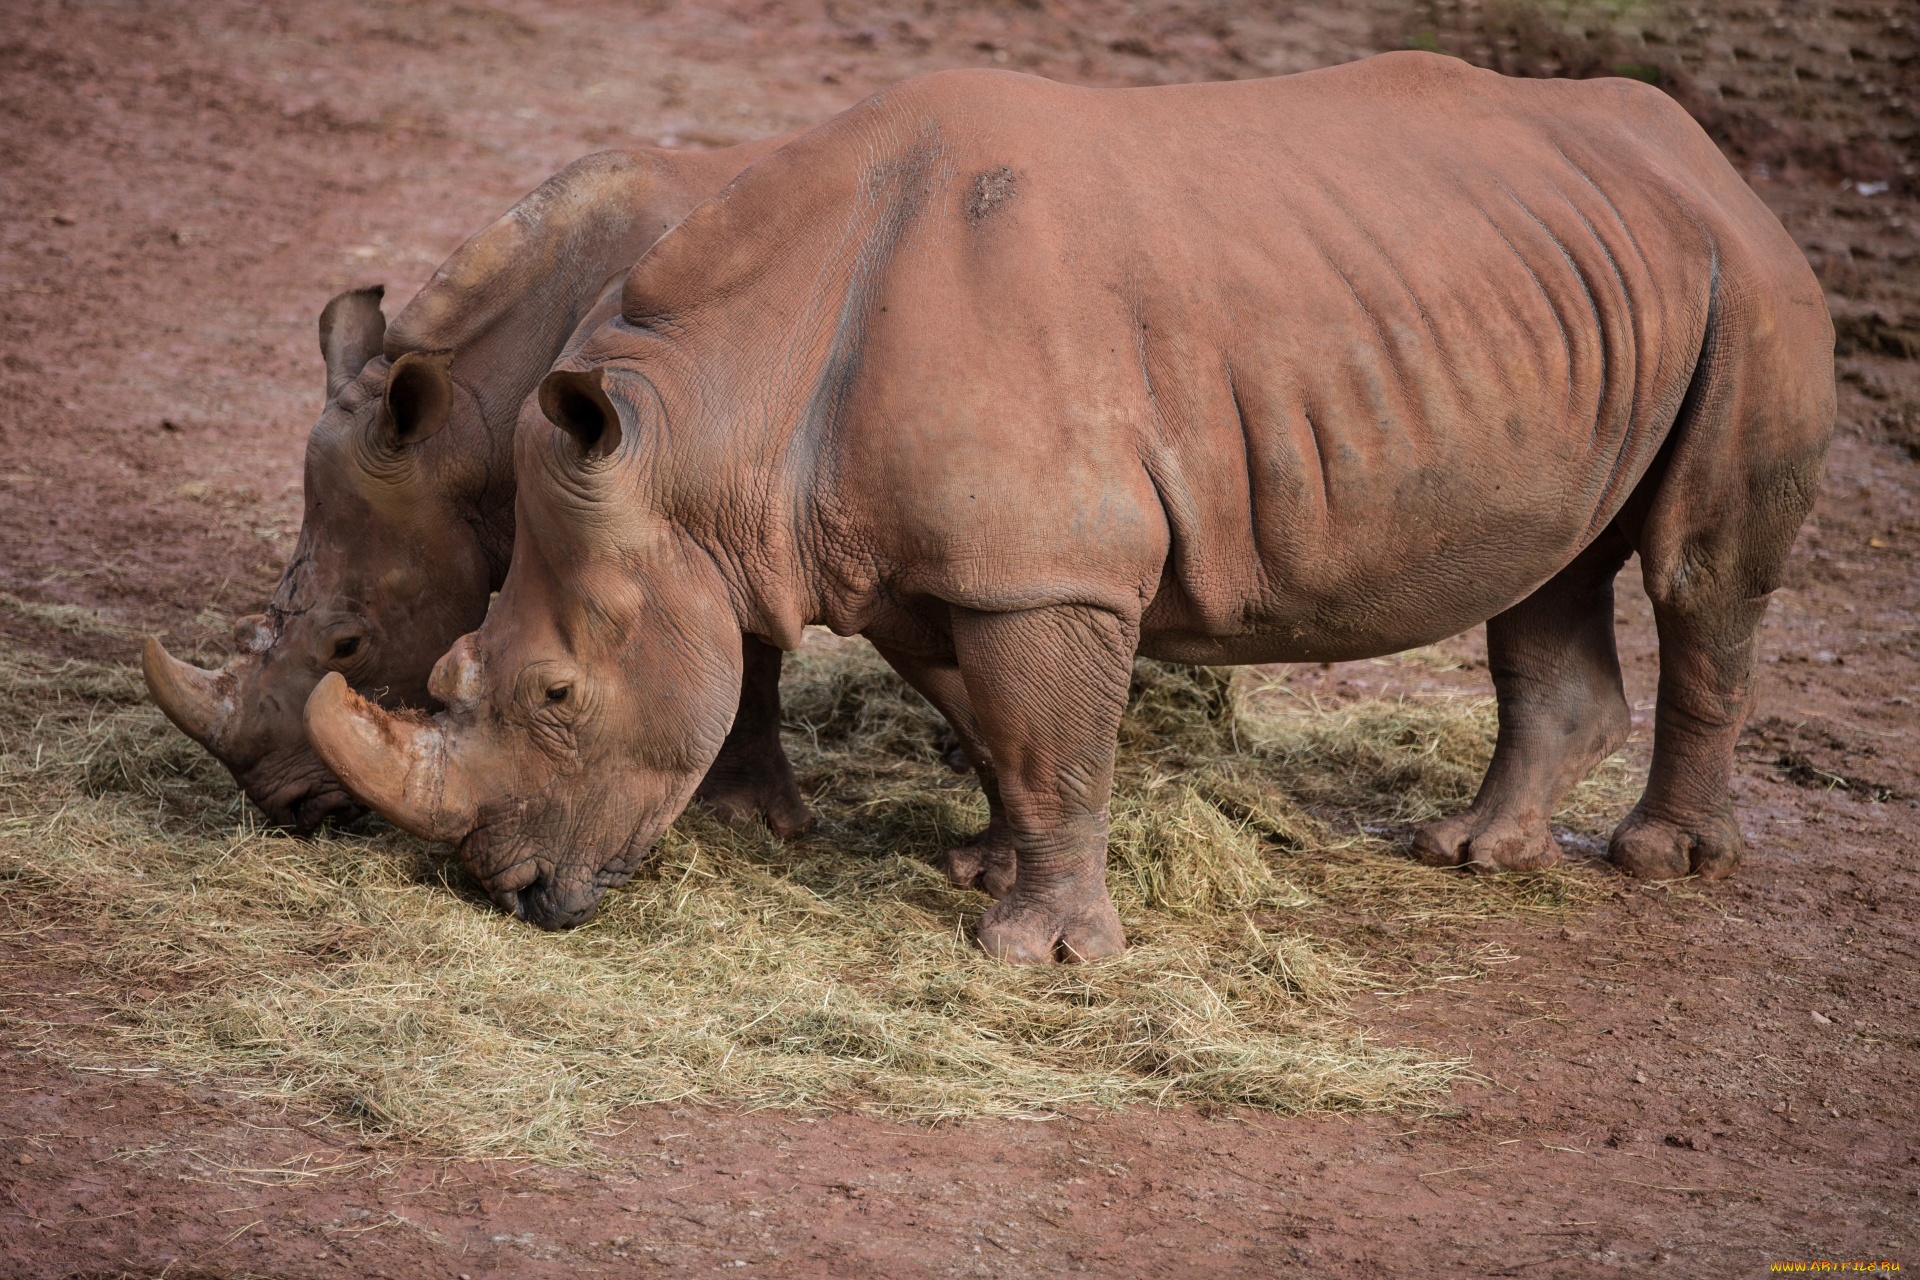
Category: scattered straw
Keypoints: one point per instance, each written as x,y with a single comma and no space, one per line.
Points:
363,972
69,618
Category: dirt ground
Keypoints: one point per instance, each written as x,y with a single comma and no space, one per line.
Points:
1690,1080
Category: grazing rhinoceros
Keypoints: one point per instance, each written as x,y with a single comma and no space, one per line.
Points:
409,488
1019,380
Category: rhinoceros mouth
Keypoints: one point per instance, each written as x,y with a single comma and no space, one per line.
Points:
525,886
326,806
305,803
494,844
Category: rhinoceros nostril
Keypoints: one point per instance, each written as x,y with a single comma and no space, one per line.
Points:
511,901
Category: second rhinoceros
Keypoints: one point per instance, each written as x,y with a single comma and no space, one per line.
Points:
1019,380
408,521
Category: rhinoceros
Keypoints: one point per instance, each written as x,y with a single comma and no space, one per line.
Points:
1019,380
409,488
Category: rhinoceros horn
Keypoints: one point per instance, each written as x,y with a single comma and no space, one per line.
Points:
200,702
398,765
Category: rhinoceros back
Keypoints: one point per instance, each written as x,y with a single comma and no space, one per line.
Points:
1353,358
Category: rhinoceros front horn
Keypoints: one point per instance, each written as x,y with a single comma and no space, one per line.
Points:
397,765
200,702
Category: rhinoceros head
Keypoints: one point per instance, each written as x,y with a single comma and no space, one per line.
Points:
581,715
386,573
409,474
654,525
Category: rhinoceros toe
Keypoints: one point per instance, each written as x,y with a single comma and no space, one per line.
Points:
1487,842
1651,848
1078,930
987,863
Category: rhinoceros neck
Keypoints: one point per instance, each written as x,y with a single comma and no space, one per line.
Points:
759,394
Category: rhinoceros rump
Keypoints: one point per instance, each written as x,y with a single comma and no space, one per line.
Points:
409,487
1018,380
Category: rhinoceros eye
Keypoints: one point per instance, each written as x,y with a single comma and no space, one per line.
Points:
346,647
558,693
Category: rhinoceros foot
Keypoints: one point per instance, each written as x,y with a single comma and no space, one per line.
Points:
1651,848
1074,928
1487,842
987,863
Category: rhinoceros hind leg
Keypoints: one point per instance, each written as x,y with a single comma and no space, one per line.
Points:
1046,687
1562,711
1742,467
1684,823
752,775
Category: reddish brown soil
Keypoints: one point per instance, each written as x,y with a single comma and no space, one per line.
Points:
1690,1082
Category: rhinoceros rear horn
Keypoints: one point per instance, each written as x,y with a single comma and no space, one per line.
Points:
576,402
419,396
352,329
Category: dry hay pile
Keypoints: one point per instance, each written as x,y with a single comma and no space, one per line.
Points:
363,972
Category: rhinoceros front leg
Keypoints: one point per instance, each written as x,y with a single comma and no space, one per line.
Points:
752,774
986,862
1047,687
1562,711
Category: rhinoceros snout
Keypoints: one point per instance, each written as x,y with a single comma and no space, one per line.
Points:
324,805
545,904
304,804
544,907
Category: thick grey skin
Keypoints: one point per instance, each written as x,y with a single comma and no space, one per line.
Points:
1307,369
408,522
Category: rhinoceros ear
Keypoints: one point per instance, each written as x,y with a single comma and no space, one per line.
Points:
419,397
576,402
352,329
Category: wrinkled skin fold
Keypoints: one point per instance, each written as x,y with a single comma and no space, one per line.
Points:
1020,380
408,522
